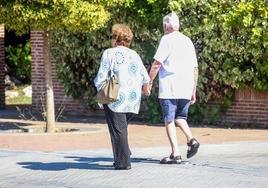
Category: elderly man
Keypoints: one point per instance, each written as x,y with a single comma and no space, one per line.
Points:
176,62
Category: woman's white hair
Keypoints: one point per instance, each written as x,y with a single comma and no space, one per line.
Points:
171,20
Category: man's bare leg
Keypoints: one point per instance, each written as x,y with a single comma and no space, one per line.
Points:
192,143
183,125
171,133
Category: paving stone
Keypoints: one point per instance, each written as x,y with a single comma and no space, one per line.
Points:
224,165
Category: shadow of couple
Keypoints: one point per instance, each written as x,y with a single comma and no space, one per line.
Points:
92,163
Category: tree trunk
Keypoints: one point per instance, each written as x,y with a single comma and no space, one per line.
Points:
50,112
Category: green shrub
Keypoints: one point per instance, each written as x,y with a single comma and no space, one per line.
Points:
78,54
230,38
20,59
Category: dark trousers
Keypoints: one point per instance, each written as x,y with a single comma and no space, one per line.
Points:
118,124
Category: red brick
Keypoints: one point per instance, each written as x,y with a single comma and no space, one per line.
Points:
38,80
2,65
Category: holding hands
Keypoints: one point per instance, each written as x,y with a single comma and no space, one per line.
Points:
147,88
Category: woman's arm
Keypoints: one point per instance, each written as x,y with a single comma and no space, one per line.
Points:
103,71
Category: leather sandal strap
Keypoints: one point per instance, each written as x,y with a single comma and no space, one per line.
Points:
191,142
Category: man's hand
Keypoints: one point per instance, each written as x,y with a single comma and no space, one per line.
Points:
193,99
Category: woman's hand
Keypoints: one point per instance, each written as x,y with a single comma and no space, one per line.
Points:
147,89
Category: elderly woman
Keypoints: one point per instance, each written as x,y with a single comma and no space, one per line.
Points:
128,66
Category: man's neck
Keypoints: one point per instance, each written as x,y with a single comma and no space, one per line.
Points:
169,30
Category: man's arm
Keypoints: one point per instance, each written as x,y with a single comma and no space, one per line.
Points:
193,99
153,72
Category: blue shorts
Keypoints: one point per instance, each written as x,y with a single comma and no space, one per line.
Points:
174,109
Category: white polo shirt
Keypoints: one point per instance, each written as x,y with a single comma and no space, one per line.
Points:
177,56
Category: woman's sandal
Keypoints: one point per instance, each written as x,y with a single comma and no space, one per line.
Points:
193,148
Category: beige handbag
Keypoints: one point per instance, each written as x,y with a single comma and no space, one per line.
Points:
109,90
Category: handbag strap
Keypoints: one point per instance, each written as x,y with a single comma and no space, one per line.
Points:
111,71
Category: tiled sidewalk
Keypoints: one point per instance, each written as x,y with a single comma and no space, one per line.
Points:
227,158
243,164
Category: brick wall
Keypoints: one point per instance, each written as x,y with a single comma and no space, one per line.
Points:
38,80
38,76
249,109
2,66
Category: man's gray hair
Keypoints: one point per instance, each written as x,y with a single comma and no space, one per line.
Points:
172,20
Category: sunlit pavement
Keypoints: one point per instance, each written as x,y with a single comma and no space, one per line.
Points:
238,164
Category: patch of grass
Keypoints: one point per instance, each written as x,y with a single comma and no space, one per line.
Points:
21,99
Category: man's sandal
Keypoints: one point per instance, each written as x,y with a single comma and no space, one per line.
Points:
193,147
171,160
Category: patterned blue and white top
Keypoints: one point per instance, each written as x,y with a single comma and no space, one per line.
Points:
128,66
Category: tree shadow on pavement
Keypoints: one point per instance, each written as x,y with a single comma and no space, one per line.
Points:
83,163
10,125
